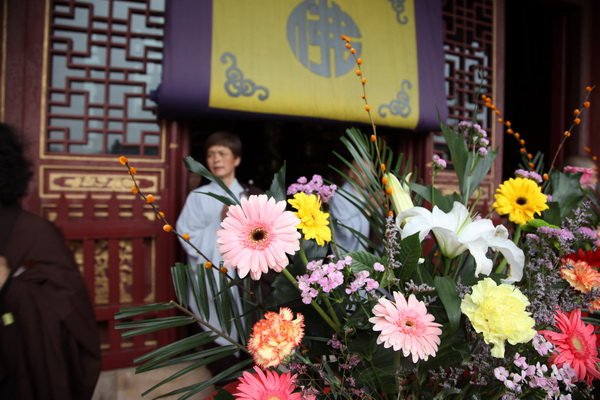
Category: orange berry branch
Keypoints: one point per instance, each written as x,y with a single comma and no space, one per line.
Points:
167,227
509,130
528,157
363,81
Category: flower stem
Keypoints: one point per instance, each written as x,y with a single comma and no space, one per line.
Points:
397,356
432,190
447,265
209,326
468,189
332,311
326,300
303,257
317,307
503,262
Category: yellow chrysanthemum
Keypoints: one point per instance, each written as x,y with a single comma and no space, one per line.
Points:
498,312
313,221
520,198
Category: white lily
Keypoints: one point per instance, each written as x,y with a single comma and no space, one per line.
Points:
456,232
401,200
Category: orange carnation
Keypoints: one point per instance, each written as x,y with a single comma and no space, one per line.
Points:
594,305
275,336
580,275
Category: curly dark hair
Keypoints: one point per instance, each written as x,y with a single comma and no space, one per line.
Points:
15,170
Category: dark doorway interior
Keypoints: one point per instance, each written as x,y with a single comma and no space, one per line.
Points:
305,146
542,63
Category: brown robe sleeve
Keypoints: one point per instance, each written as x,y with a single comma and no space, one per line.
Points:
50,350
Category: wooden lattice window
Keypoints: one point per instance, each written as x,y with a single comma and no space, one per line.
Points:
468,49
104,59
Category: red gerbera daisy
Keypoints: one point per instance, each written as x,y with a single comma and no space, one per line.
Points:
575,345
592,257
269,386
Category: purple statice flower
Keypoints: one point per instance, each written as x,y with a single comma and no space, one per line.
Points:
581,217
588,233
411,287
314,186
522,173
309,393
541,345
474,128
334,342
482,151
535,176
439,162
562,235
529,175
359,393
353,360
484,142
391,242
297,368
557,233
480,130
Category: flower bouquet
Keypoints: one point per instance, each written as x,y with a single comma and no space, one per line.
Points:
442,302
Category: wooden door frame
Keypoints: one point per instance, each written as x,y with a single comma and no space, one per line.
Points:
24,53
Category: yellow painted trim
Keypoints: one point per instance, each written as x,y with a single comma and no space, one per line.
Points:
45,170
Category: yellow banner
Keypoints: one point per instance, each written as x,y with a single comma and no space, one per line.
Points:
286,57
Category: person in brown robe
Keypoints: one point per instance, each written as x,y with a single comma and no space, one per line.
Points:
49,344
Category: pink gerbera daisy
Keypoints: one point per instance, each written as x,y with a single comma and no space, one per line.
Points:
575,344
258,235
406,326
269,386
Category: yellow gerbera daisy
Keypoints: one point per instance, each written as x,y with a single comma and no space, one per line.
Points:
313,221
520,198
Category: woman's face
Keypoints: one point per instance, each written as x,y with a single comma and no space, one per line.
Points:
222,162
